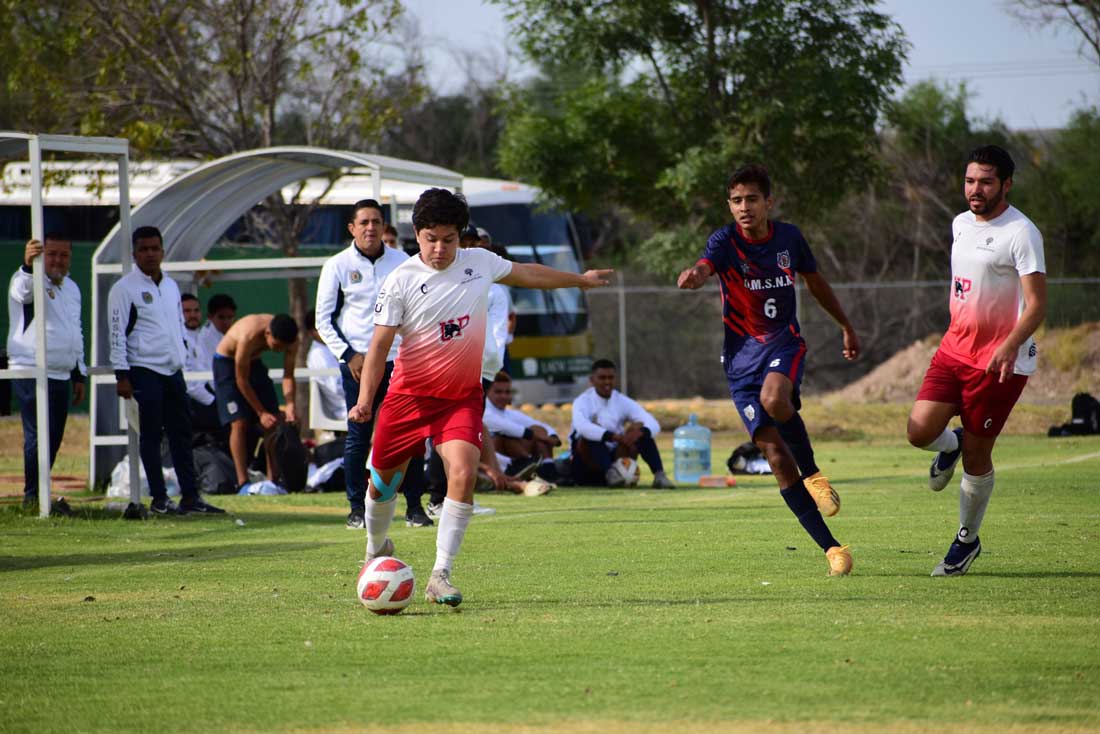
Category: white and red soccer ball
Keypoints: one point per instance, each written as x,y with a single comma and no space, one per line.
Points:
624,472
386,585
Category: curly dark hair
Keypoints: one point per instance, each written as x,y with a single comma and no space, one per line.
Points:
440,207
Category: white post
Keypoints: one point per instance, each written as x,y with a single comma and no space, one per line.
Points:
126,259
41,378
622,334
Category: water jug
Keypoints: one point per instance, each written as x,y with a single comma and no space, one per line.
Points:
691,451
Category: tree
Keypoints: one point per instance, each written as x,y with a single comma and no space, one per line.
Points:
672,96
1082,16
206,78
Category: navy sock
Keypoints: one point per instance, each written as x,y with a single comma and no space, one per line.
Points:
805,509
793,432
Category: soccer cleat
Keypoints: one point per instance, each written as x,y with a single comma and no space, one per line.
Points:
163,506
958,559
416,518
537,487
198,507
828,501
840,560
435,509
943,466
661,481
386,550
356,521
440,590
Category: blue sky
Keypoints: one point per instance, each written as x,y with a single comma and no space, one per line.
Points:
1027,76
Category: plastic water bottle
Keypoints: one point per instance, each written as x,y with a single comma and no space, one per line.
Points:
691,451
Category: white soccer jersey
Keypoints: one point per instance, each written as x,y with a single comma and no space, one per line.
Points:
593,416
987,260
510,422
442,317
197,360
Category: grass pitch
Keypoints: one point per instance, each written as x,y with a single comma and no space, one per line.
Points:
586,611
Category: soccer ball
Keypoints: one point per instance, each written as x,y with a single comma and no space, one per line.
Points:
386,585
624,473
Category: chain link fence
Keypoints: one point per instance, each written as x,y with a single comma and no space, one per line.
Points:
668,341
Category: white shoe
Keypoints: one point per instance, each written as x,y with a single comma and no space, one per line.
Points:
943,466
479,510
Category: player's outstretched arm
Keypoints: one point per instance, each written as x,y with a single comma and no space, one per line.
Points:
823,293
374,366
533,275
695,276
1003,361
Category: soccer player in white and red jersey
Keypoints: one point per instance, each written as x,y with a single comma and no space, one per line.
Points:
438,303
998,299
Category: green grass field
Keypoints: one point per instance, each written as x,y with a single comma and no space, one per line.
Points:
586,611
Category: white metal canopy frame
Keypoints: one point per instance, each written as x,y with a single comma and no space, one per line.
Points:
16,144
192,212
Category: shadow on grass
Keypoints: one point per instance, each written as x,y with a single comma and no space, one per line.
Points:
203,553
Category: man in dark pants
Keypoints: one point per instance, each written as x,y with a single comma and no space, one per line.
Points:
347,292
148,353
64,351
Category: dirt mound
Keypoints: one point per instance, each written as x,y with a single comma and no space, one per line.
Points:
1069,362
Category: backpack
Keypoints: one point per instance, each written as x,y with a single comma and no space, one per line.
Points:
214,470
1085,418
1085,412
288,454
741,456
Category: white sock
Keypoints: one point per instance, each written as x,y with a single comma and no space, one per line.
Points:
379,515
973,499
453,521
946,442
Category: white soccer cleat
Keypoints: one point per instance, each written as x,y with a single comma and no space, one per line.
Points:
943,466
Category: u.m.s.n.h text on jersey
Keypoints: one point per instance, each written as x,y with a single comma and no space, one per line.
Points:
757,279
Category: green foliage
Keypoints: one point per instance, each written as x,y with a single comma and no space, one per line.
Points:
694,611
672,97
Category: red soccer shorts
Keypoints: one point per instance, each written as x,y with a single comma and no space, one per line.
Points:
982,401
404,421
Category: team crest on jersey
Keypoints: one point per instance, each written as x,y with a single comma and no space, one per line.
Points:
750,412
452,328
146,296
355,276
961,288
783,259
469,271
50,293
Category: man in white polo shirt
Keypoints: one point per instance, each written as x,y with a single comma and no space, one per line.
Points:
346,293
148,354
64,350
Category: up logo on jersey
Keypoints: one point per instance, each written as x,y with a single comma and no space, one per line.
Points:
961,288
452,328
783,259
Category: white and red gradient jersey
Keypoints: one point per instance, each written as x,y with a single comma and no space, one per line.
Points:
987,261
441,317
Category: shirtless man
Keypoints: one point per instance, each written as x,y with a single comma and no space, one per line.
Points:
243,390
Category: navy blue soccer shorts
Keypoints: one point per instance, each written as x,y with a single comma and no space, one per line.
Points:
746,381
231,404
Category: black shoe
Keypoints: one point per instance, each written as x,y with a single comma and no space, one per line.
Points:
416,518
198,507
523,468
959,557
163,506
356,520
61,507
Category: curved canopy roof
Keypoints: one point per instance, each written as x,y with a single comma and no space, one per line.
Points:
192,211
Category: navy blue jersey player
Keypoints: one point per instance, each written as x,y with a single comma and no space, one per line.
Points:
757,261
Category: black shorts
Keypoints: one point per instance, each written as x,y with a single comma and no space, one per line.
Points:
231,404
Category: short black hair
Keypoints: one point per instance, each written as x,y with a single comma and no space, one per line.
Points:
55,236
219,301
284,328
146,232
311,319
502,376
390,229
751,173
188,297
440,207
996,156
603,364
365,204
